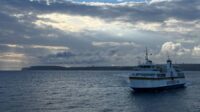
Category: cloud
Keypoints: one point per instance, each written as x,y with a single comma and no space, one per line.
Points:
187,41
157,1
50,47
12,60
70,58
12,45
66,22
171,48
36,46
76,24
154,17
12,57
104,53
89,33
196,51
106,44
111,4
178,9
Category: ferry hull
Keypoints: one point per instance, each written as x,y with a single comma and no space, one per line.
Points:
141,85
159,88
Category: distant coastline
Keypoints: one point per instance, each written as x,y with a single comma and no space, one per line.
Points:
185,67
80,68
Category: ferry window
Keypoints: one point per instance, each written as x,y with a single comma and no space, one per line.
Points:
145,66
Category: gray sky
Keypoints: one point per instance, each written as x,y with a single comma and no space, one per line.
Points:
97,32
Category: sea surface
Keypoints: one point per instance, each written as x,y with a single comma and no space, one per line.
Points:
90,91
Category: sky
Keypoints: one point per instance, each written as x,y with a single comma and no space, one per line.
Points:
97,32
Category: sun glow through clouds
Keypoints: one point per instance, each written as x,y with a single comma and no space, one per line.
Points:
69,23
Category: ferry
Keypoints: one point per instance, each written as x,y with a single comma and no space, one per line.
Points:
150,76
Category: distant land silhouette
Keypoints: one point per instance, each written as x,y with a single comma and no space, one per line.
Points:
185,67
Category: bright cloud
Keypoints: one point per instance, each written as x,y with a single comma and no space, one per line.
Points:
50,47
171,48
13,45
196,51
37,46
174,25
70,23
12,57
148,26
106,4
75,23
106,44
169,25
157,1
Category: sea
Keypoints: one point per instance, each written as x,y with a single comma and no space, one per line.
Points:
90,91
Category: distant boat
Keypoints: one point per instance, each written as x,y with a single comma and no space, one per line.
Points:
149,76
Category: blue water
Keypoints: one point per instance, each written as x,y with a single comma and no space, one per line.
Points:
90,91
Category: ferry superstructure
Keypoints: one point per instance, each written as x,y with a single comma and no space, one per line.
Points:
149,76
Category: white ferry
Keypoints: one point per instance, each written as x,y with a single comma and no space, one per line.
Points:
149,76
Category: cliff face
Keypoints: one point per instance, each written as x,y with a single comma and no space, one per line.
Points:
185,67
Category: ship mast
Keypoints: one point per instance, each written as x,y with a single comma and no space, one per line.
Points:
146,57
